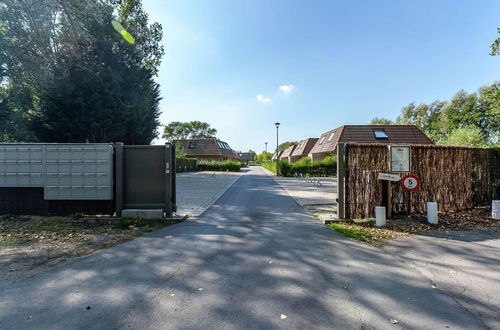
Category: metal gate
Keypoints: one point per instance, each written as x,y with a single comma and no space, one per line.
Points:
145,177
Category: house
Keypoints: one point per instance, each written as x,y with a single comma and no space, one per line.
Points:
287,152
302,149
276,156
390,134
246,156
207,149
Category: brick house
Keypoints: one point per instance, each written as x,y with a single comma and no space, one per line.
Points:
207,149
390,134
287,152
246,156
276,156
302,149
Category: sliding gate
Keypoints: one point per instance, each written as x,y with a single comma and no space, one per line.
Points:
145,177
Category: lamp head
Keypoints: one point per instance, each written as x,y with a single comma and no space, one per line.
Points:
277,124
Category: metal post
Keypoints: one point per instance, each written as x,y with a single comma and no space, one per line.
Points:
341,171
174,180
118,178
277,142
168,180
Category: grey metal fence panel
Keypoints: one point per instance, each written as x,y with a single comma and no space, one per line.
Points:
65,171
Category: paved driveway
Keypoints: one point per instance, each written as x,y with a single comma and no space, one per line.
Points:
254,260
463,264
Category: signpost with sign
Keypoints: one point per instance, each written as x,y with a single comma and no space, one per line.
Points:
410,183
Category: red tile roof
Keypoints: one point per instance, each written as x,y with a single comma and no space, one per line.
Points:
396,134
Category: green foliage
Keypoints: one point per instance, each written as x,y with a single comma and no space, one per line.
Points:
495,46
179,151
466,136
283,168
271,166
440,119
177,130
285,145
304,166
228,165
358,233
72,78
264,156
381,121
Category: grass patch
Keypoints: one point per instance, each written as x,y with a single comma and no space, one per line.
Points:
366,232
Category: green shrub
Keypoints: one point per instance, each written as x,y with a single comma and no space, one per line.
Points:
283,168
186,164
271,166
228,165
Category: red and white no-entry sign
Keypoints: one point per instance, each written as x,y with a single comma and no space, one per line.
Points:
410,182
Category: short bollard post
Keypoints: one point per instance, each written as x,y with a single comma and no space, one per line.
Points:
495,210
432,213
380,216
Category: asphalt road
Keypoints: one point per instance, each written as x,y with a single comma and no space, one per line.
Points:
251,259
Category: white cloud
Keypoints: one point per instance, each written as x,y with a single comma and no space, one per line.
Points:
261,98
287,89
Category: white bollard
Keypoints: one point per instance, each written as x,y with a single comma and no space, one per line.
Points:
432,213
379,216
495,210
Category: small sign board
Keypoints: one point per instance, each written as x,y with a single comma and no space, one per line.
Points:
410,182
399,158
389,177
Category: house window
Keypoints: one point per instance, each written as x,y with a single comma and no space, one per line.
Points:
322,139
331,137
380,134
192,145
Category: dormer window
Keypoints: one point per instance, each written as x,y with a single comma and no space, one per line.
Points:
380,134
322,140
331,137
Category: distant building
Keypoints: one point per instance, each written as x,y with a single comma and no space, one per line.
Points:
276,156
246,156
302,149
287,152
390,134
207,149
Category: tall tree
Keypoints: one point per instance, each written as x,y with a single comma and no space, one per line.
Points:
495,46
80,79
177,130
285,145
381,121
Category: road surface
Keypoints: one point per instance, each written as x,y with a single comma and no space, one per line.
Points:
254,260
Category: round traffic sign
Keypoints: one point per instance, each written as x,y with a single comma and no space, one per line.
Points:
410,182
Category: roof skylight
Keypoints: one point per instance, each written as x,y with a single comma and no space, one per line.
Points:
380,134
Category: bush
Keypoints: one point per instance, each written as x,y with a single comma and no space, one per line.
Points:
325,167
228,165
283,168
271,166
186,164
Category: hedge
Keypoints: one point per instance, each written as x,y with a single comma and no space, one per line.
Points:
228,165
304,166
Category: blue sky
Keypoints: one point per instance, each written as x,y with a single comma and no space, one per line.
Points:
339,62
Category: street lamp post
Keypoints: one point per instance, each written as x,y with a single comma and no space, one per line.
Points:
277,124
266,146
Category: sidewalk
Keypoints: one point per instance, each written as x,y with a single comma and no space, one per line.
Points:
196,191
315,199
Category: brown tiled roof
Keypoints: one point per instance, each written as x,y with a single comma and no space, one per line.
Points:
276,156
206,147
325,144
304,147
288,151
396,134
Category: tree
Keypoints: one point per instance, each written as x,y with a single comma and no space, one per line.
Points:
381,121
177,130
285,145
495,46
80,80
466,136
264,156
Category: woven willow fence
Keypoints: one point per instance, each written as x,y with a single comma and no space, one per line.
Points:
456,178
